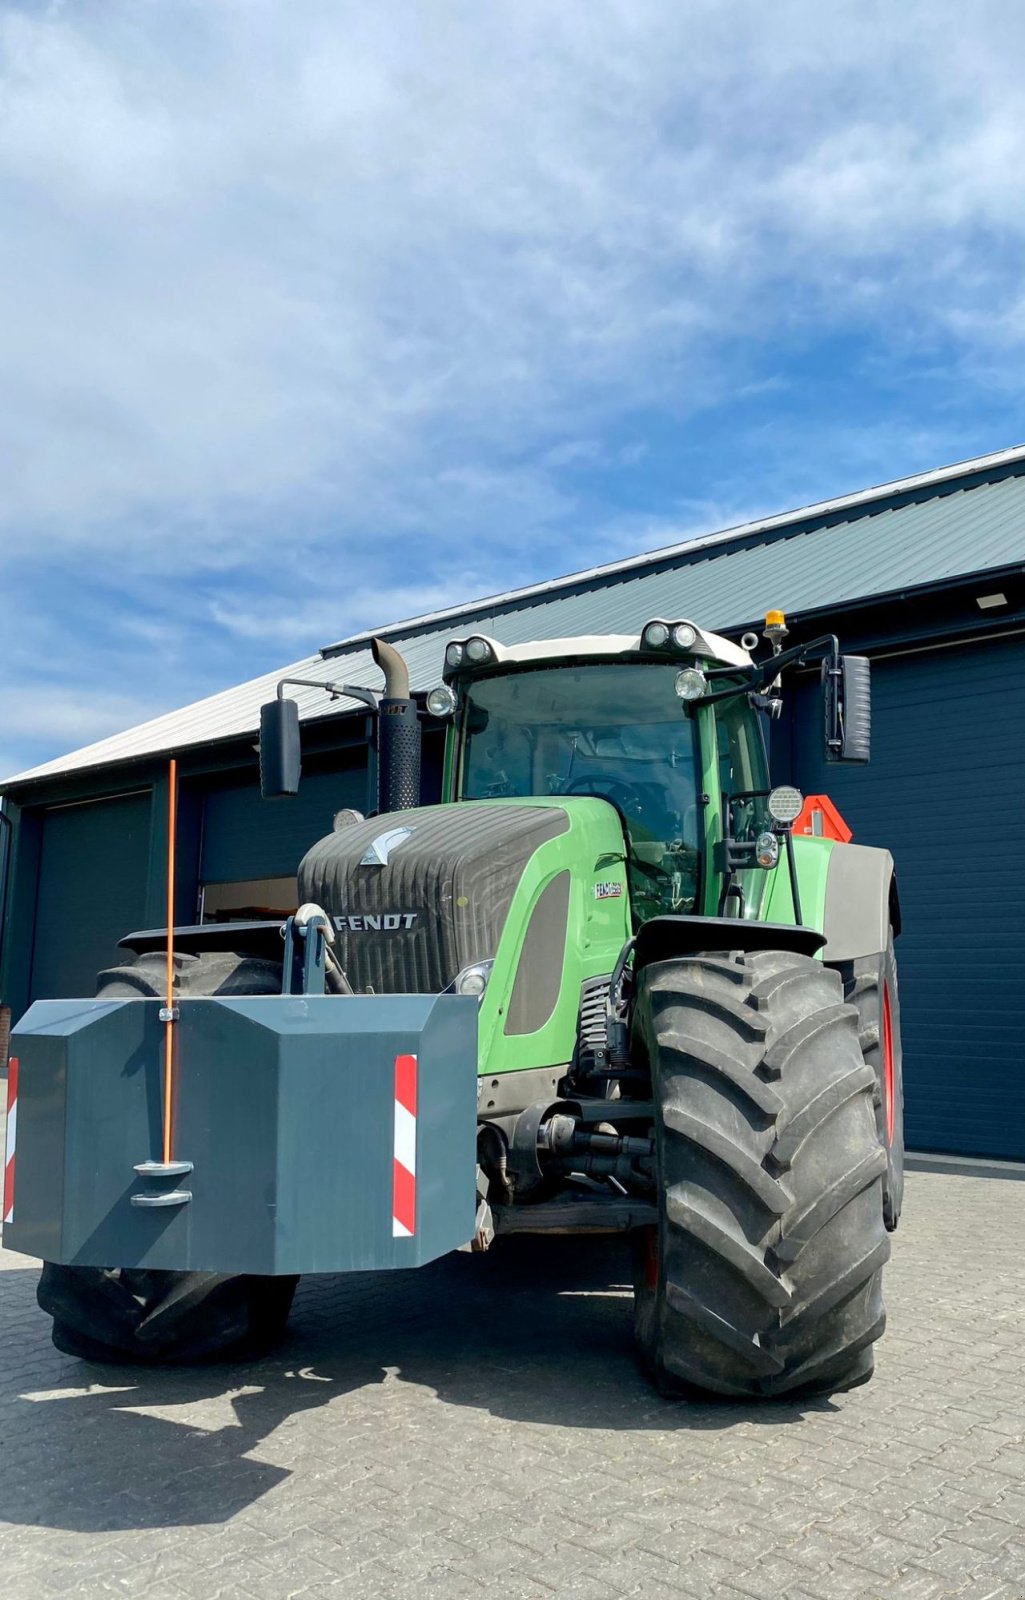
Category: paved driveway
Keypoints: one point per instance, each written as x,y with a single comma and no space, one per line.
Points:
480,1428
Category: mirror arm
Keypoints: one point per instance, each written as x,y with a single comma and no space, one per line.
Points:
337,691
799,654
280,745
754,679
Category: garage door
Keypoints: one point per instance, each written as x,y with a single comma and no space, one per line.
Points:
247,838
944,793
92,891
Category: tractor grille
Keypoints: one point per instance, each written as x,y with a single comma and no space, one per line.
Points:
441,900
592,1031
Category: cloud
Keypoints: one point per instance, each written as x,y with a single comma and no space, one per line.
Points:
365,608
268,258
316,313
70,713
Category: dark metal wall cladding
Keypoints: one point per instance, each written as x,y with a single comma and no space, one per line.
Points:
945,792
458,874
245,836
91,890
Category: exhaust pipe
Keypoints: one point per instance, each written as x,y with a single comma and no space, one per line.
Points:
398,734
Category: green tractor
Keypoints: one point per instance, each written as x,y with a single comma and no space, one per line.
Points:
603,987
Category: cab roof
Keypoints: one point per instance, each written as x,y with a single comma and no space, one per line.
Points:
599,646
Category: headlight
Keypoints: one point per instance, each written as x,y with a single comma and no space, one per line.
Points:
656,636
785,804
454,655
477,649
691,683
473,980
684,636
441,702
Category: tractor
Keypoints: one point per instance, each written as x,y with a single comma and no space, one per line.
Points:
614,983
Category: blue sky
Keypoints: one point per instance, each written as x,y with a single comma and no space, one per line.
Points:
319,315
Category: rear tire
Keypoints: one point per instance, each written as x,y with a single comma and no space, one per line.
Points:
764,1275
870,986
135,1315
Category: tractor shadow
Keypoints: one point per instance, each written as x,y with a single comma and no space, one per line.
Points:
537,1331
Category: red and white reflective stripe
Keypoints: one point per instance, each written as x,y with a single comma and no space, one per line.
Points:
403,1219
12,1135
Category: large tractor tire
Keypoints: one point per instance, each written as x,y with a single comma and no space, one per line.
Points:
152,1318
763,1276
133,1315
210,972
870,986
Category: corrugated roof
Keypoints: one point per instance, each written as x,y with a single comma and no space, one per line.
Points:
905,535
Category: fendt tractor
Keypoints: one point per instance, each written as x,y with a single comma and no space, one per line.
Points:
606,986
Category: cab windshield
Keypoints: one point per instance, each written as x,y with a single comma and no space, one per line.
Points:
615,730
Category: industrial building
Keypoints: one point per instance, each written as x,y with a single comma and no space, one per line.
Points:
924,575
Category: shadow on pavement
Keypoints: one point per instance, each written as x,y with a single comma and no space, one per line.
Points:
537,1331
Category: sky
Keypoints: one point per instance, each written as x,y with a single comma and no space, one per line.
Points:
317,315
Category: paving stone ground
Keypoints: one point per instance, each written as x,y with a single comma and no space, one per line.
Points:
480,1428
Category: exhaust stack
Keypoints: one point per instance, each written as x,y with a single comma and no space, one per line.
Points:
398,735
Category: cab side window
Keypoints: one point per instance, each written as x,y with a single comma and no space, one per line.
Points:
743,766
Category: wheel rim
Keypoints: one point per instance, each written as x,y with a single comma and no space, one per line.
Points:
888,1065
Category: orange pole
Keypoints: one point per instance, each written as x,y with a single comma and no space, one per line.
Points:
172,824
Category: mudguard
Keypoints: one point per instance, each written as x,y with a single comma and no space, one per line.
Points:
318,1134
666,938
861,902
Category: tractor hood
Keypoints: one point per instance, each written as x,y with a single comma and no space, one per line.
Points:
419,894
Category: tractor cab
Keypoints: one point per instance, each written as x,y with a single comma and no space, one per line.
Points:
617,717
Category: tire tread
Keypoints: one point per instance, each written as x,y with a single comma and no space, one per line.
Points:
771,1176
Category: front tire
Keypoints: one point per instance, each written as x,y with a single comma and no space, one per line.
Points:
151,1318
764,1274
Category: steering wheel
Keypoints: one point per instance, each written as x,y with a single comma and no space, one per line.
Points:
618,793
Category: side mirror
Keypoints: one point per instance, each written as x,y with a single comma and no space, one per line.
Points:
280,755
847,685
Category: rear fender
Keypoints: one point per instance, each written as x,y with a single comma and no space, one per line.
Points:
861,903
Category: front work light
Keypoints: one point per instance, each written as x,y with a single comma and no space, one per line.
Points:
785,803
656,636
478,650
691,683
454,655
684,636
441,702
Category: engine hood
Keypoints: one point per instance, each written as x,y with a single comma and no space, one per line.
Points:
418,895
